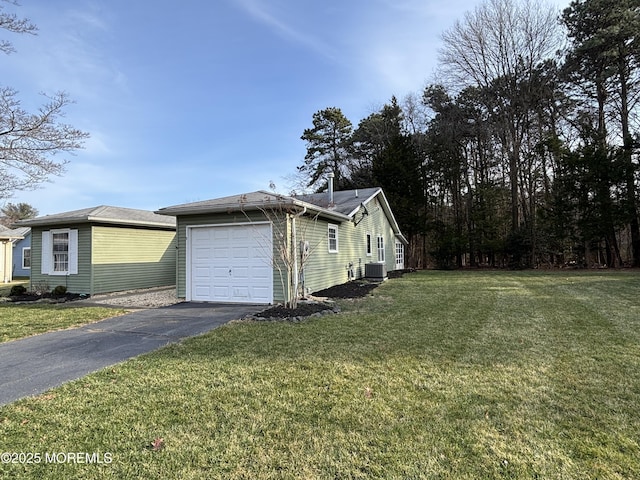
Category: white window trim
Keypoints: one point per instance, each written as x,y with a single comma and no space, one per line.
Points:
380,247
331,227
47,252
24,249
369,245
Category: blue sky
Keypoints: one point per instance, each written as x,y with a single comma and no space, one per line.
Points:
192,100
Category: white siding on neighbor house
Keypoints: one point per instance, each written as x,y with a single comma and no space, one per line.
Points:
6,261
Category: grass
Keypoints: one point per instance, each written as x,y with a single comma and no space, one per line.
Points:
438,375
19,321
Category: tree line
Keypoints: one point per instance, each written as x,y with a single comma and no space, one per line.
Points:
523,154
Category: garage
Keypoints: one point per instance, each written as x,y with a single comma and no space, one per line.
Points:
230,263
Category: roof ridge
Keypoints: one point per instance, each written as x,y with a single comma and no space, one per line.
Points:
97,210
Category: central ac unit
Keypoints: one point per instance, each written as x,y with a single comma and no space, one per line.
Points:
375,271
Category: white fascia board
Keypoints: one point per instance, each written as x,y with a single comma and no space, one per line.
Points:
364,202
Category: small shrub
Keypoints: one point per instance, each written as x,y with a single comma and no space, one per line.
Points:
59,291
17,290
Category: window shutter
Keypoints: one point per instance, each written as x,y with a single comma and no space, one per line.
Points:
73,252
46,261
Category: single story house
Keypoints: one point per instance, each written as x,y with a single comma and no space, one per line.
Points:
263,248
22,253
7,238
102,249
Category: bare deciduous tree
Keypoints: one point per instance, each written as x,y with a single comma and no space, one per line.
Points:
29,142
13,24
497,39
499,47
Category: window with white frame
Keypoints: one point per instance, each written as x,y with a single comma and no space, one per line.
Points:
381,258
399,255
369,248
332,236
59,252
26,258
60,241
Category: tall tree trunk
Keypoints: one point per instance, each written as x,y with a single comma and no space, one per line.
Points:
627,152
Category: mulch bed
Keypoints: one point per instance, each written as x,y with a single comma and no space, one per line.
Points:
46,297
303,310
353,289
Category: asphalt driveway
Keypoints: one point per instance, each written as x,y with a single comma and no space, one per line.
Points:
35,364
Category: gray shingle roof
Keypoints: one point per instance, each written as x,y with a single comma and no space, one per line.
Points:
346,204
247,202
22,231
244,201
9,234
103,214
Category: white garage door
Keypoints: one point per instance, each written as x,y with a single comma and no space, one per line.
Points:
230,263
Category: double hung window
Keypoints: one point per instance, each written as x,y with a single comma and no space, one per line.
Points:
26,258
380,242
332,236
60,252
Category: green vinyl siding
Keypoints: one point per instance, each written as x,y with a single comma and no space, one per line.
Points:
127,258
227,219
77,283
323,268
110,259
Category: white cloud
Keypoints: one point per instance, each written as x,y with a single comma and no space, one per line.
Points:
68,53
394,43
265,13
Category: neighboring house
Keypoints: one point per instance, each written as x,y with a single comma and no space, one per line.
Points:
22,253
230,249
7,238
102,249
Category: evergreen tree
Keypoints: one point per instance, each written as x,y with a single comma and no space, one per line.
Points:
327,147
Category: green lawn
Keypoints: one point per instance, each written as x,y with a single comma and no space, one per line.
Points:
462,375
19,321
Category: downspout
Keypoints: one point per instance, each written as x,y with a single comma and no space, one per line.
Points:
294,240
